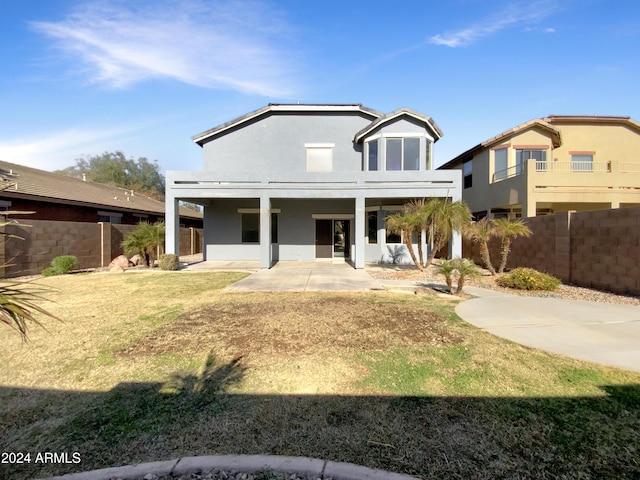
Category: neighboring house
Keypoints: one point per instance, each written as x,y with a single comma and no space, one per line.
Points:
554,164
310,182
53,196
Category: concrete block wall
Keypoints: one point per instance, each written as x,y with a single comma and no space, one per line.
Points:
598,249
44,240
95,244
604,249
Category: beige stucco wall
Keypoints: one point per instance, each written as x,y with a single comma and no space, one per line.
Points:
607,186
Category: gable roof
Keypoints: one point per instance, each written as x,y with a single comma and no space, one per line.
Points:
204,137
401,112
52,187
540,123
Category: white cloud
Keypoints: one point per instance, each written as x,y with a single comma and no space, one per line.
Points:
515,14
215,45
57,150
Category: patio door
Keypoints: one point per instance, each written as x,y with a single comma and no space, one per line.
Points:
324,238
333,238
341,239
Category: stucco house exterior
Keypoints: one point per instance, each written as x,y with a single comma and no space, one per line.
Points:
553,164
310,182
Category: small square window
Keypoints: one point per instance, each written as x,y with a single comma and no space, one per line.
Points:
319,159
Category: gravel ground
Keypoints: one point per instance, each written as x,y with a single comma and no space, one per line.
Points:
567,292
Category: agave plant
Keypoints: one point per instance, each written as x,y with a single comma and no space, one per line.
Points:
18,306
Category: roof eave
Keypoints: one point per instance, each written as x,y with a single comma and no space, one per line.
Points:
203,137
431,124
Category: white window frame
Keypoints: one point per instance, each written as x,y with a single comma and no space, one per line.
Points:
425,160
318,164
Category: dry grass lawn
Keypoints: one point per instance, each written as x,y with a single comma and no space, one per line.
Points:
156,365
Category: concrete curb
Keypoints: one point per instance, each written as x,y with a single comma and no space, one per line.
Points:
311,467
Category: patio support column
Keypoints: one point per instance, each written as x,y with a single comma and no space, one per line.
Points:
172,225
455,246
265,231
359,232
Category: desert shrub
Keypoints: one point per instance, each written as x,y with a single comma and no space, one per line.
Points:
528,279
168,261
61,265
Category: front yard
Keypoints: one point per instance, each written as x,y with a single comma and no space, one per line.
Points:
152,366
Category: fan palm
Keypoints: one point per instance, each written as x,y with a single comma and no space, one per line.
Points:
146,239
507,229
405,224
481,232
442,217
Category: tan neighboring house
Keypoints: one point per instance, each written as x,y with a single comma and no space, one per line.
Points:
553,164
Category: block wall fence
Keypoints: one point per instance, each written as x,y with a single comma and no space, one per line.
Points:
598,249
95,244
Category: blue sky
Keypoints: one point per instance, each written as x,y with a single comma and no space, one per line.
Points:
83,77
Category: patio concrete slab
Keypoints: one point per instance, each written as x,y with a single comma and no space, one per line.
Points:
308,276
604,333
221,265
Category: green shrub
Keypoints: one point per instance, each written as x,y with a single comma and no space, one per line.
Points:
169,261
61,265
528,279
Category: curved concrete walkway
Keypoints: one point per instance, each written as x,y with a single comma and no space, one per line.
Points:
604,333
311,467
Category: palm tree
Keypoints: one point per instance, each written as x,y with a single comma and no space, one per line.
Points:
481,232
442,217
405,223
507,229
144,240
463,267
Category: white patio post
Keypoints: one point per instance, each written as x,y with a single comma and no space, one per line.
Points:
172,225
265,231
359,234
455,247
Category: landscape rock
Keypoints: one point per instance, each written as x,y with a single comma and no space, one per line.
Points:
136,260
116,269
121,261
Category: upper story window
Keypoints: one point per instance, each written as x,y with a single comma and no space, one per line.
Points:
467,173
396,153
582,161
500,163
403,154
319,157
372,154
538,155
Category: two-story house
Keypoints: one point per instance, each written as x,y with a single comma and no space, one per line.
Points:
310,182
553,164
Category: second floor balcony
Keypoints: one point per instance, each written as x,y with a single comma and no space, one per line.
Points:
577,167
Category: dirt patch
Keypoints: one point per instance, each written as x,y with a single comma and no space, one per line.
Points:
304,325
